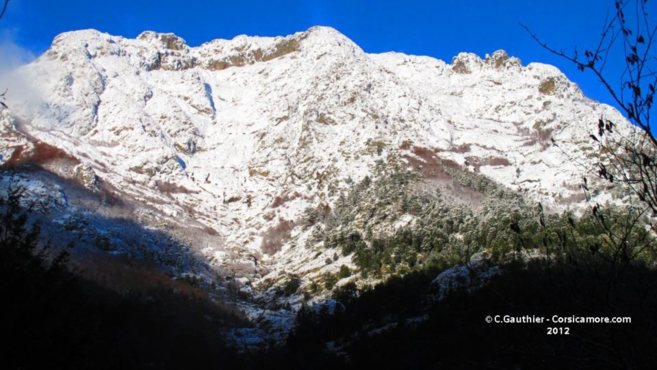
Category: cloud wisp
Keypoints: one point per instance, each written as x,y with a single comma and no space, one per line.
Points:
19,90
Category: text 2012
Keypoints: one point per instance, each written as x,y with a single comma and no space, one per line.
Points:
558,331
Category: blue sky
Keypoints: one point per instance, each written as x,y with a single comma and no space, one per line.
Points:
439,28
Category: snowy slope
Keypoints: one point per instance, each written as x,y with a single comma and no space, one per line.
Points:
229,142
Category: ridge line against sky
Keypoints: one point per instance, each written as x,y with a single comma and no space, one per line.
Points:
440,28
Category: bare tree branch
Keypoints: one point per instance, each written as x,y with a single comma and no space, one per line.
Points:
4,8
627,157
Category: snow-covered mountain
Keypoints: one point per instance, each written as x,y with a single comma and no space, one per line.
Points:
225,147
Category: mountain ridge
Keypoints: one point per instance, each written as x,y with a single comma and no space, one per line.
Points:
231,144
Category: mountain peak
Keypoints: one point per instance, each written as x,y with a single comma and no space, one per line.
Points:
168,40
323,39
465,63
500,59
326,32
79,37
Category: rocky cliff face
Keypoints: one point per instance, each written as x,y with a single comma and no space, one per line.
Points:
228,146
